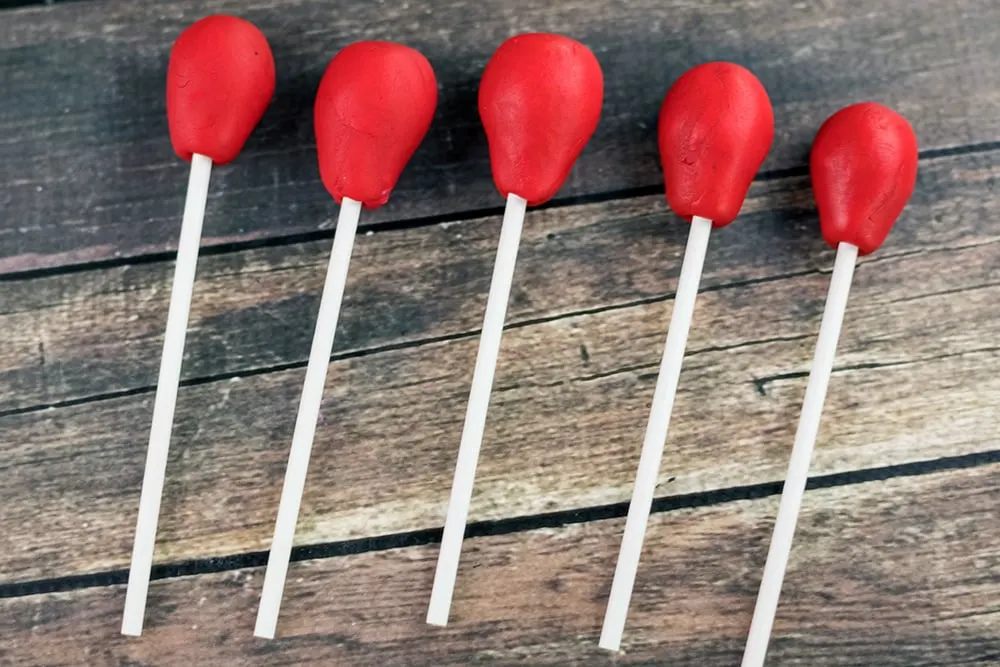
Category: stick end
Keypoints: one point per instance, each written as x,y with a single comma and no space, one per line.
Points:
612,644
131,628
265,628
437,618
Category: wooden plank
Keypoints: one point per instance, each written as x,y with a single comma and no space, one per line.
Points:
99,333
565,426
899,573
87,173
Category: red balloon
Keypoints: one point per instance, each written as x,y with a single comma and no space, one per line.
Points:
864,168
540,100
373,108
219,82
716,127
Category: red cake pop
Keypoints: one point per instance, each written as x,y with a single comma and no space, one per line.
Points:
864,168
716,127
540,100
220,80
373,108
528,87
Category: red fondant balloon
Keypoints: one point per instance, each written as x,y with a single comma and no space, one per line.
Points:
540,100
716,127
864,168
219,82
374,107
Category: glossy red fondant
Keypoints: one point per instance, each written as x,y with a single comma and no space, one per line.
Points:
864,168
716,127
219,82
374,107
540,100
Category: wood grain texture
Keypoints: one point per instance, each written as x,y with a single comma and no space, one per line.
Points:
903,572
899,573
98,333
917,378
87,172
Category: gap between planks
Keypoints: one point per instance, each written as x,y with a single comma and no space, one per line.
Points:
506,526
469,215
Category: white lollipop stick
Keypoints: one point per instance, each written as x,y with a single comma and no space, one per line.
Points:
798,466
305,423
166,396
656,435
475,414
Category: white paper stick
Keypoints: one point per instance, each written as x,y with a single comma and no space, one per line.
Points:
166,396
475,414
305,423
656,435
798,466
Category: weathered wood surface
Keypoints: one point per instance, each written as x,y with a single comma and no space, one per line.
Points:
570,403
897,573
87,172
902,571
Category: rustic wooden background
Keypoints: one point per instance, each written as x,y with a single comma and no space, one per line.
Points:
897,559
